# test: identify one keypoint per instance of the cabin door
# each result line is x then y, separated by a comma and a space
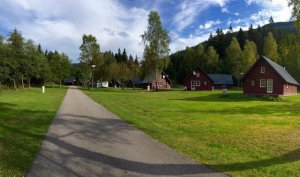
270, 86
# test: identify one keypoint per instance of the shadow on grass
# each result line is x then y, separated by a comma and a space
231, 97
290, 157
284, 110
21, 133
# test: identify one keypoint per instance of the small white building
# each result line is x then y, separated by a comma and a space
104, 84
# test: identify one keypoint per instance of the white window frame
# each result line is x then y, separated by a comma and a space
198, 83
262, 83
262, 69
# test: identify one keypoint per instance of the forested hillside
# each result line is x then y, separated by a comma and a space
234, 52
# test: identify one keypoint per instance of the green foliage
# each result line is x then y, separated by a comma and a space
60, 67
212, 58
90, 55
270, 48
296, 11
235, 58
249, 55
156, 41
252, 43
238, 135
291, 55
22, 60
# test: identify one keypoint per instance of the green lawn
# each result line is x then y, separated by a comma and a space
238, 135
25, 116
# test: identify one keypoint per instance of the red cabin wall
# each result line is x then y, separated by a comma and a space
255, 74
289, 89
202, 78
161, 84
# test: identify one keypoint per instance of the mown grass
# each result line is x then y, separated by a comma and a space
25, 116
234, 134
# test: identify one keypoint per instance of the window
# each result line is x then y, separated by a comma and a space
262, 70
205, 83
198, 75
263, 83
197, 83
193, 83
252, 82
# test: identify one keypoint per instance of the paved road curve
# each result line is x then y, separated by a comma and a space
85, 139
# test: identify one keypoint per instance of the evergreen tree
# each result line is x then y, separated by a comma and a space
136, 60
271, 21
270, 48
230, 29
241, 37
118, 56
124, 57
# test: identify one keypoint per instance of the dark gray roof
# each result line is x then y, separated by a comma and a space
281, 71
225, 79
149, 78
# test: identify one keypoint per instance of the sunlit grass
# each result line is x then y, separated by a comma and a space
235, 134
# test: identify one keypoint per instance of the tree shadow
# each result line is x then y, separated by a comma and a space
89, 127
78, 129
290, 157
230, 97
129, 165
278, 110
22, 132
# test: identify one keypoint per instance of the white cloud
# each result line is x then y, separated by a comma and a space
189, 10
180, 43
278, 9
209, 24
60, 24
225, 10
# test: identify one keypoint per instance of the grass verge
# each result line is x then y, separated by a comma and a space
25, 116
235, 134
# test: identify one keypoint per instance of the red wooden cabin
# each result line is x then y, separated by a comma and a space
198, 80
266, 77
161, 82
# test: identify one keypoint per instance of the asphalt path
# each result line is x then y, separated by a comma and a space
85, 139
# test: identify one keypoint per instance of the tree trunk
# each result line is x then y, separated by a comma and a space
133, 86
22, 81
156, 88
122, 84
29, 84
15, 86
60, 84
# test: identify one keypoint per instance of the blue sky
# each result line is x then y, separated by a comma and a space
60, 24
